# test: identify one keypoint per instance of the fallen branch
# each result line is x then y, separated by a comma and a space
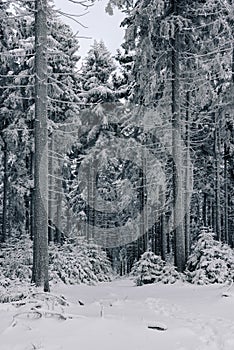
35, 313
158, 327
51, 313
44, 296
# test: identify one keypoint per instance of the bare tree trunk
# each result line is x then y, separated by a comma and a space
214, 216
210, 212
32, 224
177, 150
40, 246
145, 233
51, 189
204, 209
93, 197
187, 179
89, 211
163, 237
233, 65
27, 200
58, 220
217, 179
68, 219
226, 228
5, 192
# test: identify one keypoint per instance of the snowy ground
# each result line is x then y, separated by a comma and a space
116, 316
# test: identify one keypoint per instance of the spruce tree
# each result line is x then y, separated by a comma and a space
210, 261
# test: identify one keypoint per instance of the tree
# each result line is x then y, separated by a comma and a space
96, 94
40, 247
210, 261
96, 73
176, 147
152, 269
16, 109
77, 262
63, 108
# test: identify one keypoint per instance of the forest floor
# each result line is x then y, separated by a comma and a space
117, 315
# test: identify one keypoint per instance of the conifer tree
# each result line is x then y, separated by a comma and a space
96, 94
210, 261
40, 240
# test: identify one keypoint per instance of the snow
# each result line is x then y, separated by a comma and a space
116, 315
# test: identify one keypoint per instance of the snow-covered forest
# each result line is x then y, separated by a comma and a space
117, 178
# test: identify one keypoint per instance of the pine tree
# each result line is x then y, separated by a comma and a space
63, 108
40, 240
211, 261
77, 262
18, 104
152, 269
96, 74
97, 95
12, 74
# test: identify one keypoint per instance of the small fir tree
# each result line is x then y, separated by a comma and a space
211, 261
152, 269
79, 262
100, 264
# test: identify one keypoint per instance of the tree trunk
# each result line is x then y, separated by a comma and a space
58, 219
177, 151
51, 189
29, 227
217, 179
89, 211
226, 228
27, 201
163, 237
145, 233
204, 209
188, 175
5, 192
68, 219
32, 223
40, 246
163, 225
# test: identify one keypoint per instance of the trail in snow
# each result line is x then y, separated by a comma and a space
116, 316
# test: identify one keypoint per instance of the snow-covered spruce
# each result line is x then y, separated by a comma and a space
73, 263
16, 261
100, 264
211, 261
152, 269
15, 269
79, 262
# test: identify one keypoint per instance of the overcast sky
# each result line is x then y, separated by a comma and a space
100, 24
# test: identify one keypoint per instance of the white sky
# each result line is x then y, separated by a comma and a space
100, 24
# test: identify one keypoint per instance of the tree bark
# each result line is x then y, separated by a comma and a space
58, 219
29, 227
217, 179
5, 192
177, 151
50, 190
40, 246
204, 209
188, 175
145, 233
226, 228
